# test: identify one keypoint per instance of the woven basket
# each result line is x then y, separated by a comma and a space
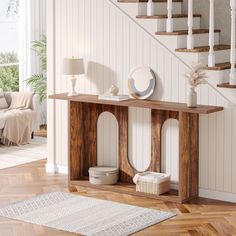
152, 182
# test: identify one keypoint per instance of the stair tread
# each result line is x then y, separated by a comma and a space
165, 16
204, 48
226, 85
185, 32
220, 66
132, 1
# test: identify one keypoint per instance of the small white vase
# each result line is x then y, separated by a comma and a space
192, 98
114, 90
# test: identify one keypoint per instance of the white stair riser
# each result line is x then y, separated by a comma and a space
159, 8
149, 24
155, 25
220, 56
199, 40
180, 41
225, 77
179, 24
220, 76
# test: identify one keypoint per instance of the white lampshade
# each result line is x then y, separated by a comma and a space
73, 66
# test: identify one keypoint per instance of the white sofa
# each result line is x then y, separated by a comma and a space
35, 107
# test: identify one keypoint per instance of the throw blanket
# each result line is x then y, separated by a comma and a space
19, 120
2, 120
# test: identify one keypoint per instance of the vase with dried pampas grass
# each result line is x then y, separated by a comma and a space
195, 77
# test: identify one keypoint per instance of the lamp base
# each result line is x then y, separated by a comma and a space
73, 92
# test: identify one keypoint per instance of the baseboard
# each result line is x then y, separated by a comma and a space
62, 169
53, 168
222, 196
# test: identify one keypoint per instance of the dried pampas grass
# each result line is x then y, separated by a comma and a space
196, 75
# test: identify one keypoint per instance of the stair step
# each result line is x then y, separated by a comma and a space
131, 1
220, 66
185, 32
204, 48
165, 16
226, 85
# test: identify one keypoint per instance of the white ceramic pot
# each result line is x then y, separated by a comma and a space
114, 90
192, 98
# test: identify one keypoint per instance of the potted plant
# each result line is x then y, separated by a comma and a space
39, 82
195, 77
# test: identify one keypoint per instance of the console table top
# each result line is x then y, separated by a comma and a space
155, 105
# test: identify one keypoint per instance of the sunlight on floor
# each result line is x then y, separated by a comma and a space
18, 155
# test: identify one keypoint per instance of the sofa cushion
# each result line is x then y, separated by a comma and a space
21, 100
3, 102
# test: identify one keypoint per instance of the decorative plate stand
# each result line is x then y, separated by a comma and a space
141, 82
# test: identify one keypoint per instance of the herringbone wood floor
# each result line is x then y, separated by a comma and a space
202, 217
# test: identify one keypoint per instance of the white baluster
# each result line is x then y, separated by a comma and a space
190, 39
169, 22
211, 57
233, 51
150, 8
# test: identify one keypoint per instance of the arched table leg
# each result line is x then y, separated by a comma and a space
83, 139
188, 149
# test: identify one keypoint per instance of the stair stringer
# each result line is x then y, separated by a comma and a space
217, 131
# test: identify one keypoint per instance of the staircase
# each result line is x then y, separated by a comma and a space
183, 36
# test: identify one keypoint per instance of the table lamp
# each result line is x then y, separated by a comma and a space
72, 67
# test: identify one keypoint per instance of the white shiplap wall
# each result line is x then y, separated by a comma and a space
112, 45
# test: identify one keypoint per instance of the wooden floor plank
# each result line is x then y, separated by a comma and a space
200, 217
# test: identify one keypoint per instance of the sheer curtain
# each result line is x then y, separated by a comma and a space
32, 24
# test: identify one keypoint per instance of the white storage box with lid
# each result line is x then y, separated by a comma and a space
103, 175
152, 182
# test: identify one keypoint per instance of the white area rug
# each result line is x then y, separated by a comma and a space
87, 216
18, 155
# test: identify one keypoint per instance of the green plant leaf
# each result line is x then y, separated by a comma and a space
39, 82
9, 75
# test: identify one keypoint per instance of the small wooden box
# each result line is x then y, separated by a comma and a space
152, 182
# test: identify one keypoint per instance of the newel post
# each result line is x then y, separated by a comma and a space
233, 51
211, 57
190, 39
169, 22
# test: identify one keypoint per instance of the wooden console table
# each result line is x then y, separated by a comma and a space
84, 111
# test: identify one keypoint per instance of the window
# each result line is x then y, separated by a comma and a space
9, 41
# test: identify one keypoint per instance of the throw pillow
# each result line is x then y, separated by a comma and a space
3, 102
21, 100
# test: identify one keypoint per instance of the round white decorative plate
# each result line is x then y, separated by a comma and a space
141, 82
